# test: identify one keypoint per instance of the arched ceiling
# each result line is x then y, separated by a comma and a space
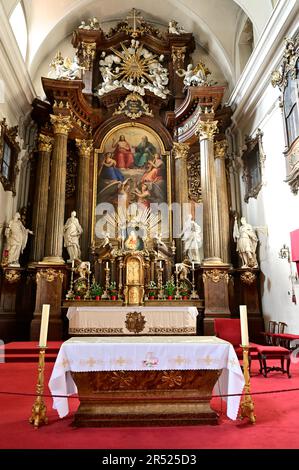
213, 22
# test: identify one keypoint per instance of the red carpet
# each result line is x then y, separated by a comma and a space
28, 351
277, 420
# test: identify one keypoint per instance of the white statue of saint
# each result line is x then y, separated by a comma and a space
71, 232
192, 238
246, 240
17, 236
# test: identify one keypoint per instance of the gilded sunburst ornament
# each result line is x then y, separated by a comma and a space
135, 68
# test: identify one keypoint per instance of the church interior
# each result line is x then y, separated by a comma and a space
149, 177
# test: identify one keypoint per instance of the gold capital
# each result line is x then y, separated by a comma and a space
45, 143
181, 150
207, 129
88, 51
178, 55
220, 148
61, 124
85, 147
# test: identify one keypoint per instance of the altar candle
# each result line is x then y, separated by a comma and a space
44, 326
244, 325
160, 264
192, 265
107, 265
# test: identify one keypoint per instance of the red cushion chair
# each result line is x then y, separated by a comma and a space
273, 352
229, 329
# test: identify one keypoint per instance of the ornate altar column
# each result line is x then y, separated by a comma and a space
85, 149
45, 144
211, 240
220, 149
55, 217
215, 272
181, 152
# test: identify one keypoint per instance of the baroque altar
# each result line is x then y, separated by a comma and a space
131, 144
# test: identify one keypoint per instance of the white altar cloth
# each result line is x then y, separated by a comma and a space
146, 353
112, 320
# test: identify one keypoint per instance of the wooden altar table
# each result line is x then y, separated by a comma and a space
119, 320
154, 380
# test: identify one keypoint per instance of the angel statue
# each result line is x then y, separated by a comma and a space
197, 76
192, 238
65, 68
246, 240
17, 236
183, 269
174, 28
106, 241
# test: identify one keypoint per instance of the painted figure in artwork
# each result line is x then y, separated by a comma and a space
134, 242
131, 242
109, 170
122, 153
155, 170
143, 196
144, 152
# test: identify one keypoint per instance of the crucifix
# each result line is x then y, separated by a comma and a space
135, 16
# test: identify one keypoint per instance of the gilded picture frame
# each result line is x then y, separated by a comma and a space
132, 167
253, 163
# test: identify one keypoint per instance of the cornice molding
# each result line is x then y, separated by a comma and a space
256, 76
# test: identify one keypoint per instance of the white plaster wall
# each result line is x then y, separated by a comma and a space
277, 209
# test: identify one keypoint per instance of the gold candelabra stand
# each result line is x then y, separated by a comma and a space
247, 405
177, 287
107, 283
194, 294
39, 409
160, 284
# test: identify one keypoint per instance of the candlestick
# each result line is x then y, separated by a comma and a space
244, 325
177, 290
247, 405
194, 294
160, 264
44, 326
105, 295
39, 409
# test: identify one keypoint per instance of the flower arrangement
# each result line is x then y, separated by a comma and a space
96, 290
113, 290
152, 287
184, 290
170, 287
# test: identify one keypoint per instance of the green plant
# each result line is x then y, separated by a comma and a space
152, 287
170, 287
96, 290
184, 289
112, 288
